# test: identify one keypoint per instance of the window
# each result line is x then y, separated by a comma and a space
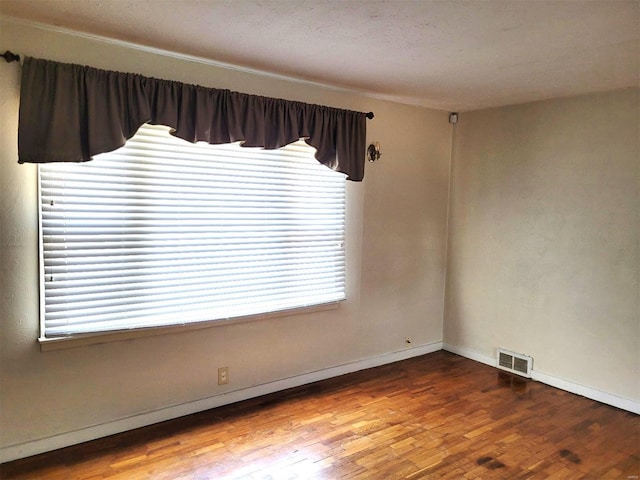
164, 232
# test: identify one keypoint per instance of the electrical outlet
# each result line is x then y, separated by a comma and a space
223, 375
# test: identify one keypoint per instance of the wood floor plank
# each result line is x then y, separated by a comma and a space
436, 416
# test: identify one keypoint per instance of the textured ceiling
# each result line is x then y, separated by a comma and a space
453, 55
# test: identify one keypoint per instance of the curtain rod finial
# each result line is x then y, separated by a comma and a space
10, 57
370, 115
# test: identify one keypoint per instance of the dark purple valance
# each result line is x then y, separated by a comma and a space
68, 113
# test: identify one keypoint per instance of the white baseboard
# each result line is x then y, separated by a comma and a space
35, 447
572, 387
470, 354
597, 395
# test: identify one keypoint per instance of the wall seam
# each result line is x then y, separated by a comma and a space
446, 231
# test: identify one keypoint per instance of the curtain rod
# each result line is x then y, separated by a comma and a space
12, 57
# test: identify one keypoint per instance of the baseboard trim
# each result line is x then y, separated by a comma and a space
470, 354
27, 449
597, 395
553, 381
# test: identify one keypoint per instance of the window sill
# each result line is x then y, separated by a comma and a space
86, 339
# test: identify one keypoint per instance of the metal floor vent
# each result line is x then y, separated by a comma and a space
515, 362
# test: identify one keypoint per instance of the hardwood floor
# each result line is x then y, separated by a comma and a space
436, 416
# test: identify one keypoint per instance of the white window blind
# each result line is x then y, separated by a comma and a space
164, 232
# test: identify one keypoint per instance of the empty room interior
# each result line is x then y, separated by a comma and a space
487, 323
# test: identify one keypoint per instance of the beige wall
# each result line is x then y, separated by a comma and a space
396, 239
543, 238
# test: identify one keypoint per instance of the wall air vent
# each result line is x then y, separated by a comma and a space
515, 362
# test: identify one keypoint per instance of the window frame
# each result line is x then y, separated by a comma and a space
54, 342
